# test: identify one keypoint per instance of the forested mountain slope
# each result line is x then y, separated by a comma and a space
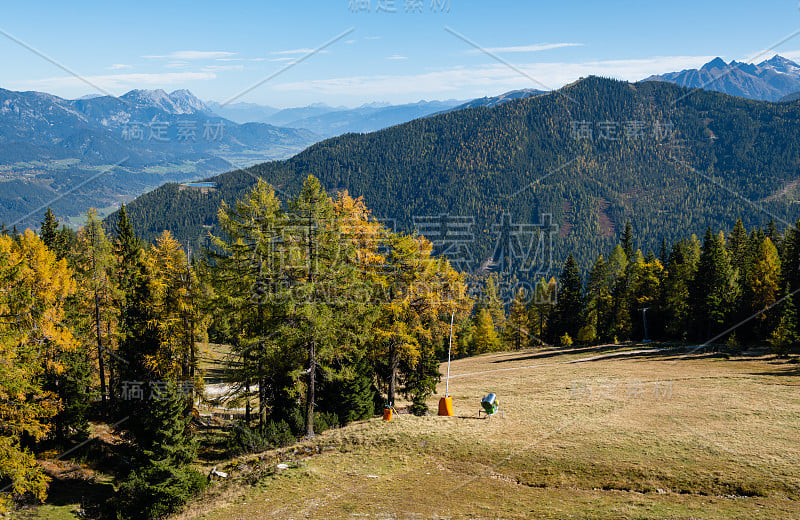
593, 154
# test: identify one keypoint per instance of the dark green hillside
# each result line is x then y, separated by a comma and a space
484, 162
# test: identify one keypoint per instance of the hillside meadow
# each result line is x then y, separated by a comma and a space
608, 432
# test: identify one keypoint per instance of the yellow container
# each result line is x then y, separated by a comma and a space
387, 414
446, 406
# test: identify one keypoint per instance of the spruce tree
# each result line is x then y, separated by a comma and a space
680, 273
570, 306
349, 391
599, 299
790, 262
541, 308
161, 479
421, 379
626, 240
619, 273
49, 233
715, 287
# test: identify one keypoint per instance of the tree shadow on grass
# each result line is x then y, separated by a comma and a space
70, 490
523, 356
788, 368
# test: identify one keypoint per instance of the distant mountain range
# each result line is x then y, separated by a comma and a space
770, 80
50, 146
329, 121
490, 102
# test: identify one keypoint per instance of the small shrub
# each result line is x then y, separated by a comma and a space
565, 340
244, 439
587, 334
325, 421
733, 344
156, 491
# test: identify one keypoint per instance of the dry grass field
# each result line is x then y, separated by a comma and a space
648, 435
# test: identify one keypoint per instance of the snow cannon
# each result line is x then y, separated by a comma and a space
490, 404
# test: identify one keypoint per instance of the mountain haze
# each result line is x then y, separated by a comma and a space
49, 145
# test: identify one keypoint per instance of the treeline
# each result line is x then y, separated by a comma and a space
329, 317
738, 289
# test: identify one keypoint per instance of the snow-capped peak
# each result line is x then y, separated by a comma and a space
178, 102
783, 65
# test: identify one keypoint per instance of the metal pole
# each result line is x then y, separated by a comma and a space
449, 350
644, 319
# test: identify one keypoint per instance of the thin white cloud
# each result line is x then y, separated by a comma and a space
350, 42
217, 68
118, 82
537, 47
372, 37
193, 55
494, 78
119, 66
396, 57
287, 58
293, 51
177, 65
240, 59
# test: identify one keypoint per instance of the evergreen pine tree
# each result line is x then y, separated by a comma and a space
599, 304
626, 240
715, 287
569, 309
773, 234
49, 233
540, 311
161, 479
421, 379
676, 294
618, 271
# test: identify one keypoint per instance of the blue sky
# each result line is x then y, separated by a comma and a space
219, 49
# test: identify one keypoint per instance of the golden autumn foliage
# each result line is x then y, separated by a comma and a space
175, 292
32, 334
